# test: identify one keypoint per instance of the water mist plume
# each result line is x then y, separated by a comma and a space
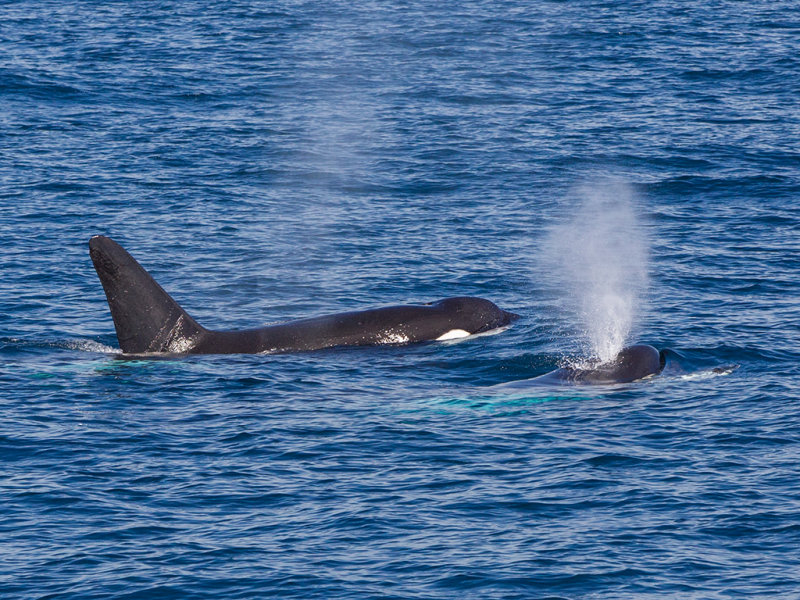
602, 252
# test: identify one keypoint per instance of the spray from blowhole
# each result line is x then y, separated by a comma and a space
601, 252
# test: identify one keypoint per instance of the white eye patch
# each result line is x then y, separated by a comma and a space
453, 334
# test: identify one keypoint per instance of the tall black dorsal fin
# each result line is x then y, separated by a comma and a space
146, 317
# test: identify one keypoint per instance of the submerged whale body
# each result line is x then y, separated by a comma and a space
148, 320
631, 364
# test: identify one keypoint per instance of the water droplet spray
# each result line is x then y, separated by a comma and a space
601, 252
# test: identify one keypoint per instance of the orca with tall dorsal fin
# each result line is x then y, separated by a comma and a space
149, 321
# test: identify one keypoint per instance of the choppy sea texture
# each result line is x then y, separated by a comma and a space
268, 161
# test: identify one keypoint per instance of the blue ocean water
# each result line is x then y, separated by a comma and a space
274, 160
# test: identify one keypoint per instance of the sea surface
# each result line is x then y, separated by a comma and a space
614, 172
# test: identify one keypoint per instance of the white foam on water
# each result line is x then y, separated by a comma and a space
601, 252
709, 373
89, 346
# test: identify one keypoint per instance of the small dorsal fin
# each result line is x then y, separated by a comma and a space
146, 318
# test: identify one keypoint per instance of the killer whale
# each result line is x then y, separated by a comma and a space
149, 321
631, 364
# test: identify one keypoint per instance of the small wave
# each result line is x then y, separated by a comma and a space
82, 345
36, 87
709, 373
88, 346
505, 403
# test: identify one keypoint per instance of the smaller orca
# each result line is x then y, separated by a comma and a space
631, 364
148, 320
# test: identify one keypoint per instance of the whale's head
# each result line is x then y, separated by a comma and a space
632, 363
637, 361
475, 315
